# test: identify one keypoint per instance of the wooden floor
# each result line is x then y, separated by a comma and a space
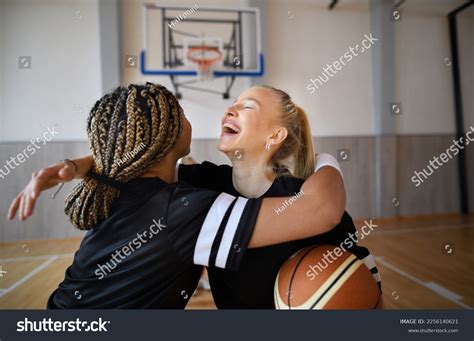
425, 263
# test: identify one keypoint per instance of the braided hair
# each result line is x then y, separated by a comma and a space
130, 130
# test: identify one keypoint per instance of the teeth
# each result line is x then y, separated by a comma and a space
232, 127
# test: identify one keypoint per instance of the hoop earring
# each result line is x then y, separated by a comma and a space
267, 146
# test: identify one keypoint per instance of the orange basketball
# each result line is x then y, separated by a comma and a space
325, 277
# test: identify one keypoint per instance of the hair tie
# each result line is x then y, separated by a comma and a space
106, 180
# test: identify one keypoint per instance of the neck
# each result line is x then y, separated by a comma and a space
165, 169
248, 177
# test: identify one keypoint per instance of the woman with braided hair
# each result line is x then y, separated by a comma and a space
147, 235
119, 125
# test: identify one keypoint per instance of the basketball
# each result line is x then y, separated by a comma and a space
318, 277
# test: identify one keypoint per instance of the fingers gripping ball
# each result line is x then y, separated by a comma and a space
311, 280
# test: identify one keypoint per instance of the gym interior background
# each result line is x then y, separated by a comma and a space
384, 115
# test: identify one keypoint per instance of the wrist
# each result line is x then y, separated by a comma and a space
68, 161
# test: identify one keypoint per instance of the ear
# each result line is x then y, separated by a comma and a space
278, 136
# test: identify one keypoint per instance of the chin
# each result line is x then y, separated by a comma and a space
223, 147
228, 144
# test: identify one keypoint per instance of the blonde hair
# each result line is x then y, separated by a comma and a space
298, 145
129, 129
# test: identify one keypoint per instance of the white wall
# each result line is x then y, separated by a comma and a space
423, 80
2, 34
297, 49
65, 79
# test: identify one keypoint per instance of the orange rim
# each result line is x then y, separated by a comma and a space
204, 63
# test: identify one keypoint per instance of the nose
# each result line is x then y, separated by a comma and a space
231, 112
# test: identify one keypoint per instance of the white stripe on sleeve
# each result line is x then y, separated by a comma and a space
327, 160
209, 228
377, 277
229, 232
369, 262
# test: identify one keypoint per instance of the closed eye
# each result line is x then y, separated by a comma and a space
248, 104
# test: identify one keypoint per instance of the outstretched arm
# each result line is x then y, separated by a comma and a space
47, 178
317, 211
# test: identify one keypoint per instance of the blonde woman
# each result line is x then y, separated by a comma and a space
268, 139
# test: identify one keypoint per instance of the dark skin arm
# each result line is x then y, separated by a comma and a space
317, 211
45, 179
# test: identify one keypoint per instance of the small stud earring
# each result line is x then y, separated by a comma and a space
267, 146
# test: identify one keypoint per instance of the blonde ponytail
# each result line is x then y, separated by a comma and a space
304, 159
295, 156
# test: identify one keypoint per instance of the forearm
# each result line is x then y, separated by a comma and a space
44, 179
318, 209
84, 165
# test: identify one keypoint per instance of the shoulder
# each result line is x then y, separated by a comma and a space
183, 192
188, 201
206, 224
324, 159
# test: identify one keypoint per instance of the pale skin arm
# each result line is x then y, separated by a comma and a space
317, 211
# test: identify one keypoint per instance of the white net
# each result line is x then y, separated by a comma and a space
203, 54
205, 59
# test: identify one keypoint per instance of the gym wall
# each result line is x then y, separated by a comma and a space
345, 105
65, 77
341, 112
63, 39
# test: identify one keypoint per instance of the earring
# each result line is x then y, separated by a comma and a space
267, 146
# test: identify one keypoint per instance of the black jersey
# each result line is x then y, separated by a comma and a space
252, 286
150, 251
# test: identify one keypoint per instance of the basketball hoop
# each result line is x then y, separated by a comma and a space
204, 58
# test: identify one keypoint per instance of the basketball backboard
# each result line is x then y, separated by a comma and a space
184, 41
